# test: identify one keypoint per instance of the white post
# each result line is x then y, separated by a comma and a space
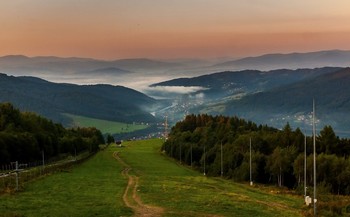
250, 161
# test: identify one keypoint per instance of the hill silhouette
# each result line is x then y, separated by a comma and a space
49, 99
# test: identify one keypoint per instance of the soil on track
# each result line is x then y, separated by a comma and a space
130, 197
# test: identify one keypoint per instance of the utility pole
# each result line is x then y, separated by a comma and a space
250, 161
166, 127
17, 175
314, 144
305, 167
43, 159
171, 150
222, 168
191, 154
180, 154
204, 161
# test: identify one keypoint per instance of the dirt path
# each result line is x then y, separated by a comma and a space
130, 197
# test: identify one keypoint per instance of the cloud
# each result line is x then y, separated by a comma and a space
199, 96
176, 89
167, 92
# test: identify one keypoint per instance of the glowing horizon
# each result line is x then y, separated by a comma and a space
115, 29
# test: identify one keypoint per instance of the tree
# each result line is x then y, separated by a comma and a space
298, 168
24, 135
328, 141
9, 117
110, 139
280, 161
278, 155
286, 137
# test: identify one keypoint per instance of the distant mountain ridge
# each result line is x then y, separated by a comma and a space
20, 63
53, 99
228, 83
108, 70
331, 92
332, 58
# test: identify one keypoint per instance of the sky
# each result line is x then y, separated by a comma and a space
167, 29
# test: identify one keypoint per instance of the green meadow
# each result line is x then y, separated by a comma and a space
184, 192
96, 188
105, 126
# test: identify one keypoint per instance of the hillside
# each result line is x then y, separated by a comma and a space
154, 180
105, 102
331, 92
222, 84
271, 97
23, 136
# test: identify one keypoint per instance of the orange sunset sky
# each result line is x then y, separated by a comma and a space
115, 29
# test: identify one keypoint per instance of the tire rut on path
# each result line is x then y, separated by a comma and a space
134, 202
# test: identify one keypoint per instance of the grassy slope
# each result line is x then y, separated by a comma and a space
183, 192
104, 125
94, 188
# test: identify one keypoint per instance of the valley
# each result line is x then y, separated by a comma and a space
175, 89
174, 108
106, 127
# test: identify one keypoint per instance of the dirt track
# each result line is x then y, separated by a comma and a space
130, 197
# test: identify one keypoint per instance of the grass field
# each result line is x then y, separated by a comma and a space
96, 188
184, 192
110, 127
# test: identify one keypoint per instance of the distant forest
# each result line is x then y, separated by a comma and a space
24, 135
277, 155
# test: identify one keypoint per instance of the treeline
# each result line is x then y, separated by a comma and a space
277, 155
24, 135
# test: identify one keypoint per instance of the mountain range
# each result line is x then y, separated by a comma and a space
275, 97
240, 83
332, 58
48, 67
293, 102
269, 89
74, 65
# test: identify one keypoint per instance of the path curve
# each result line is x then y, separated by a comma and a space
134, 202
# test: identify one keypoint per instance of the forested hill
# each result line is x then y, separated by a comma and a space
277, 155
51, 100
229, 83
24, 135
331, 92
